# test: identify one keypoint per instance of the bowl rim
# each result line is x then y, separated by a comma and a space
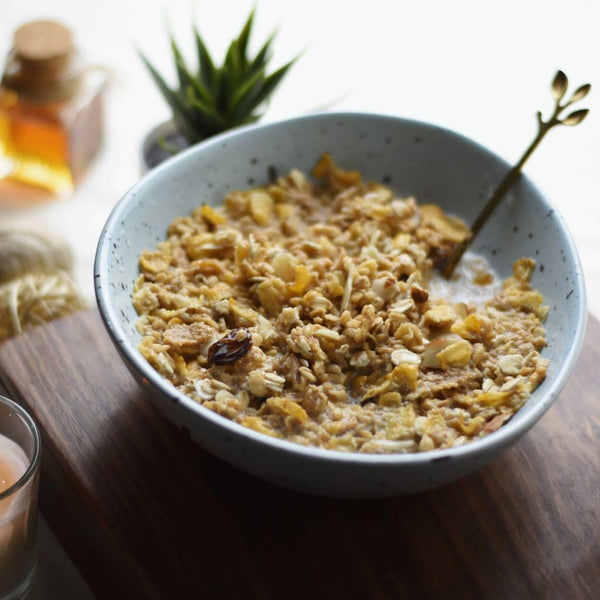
493, 442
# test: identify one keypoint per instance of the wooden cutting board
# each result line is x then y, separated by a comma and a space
146, 514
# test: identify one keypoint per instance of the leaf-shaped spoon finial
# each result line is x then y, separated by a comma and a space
560, 83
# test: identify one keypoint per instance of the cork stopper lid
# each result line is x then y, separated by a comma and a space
43, 62
43, 44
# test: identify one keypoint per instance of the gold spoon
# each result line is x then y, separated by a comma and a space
559, 89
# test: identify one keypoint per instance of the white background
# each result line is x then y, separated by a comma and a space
480, 68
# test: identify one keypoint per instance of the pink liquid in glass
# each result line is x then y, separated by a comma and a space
17, 519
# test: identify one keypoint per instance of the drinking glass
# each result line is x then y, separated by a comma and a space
20, 449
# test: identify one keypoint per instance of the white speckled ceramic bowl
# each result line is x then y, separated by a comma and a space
435, 165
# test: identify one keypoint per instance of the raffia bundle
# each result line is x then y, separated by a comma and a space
35, 281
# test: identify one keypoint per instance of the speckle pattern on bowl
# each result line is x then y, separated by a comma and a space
413, 158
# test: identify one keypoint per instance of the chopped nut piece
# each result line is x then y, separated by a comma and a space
418, 294
385, 287
403, 355
360, 360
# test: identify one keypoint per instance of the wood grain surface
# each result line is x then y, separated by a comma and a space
145, 513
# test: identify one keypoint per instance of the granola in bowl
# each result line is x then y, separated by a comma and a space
305, 310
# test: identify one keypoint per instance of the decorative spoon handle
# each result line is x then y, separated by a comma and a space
559, 89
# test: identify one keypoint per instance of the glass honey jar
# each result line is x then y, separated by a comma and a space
51, 109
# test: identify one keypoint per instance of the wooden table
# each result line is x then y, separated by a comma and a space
145, 513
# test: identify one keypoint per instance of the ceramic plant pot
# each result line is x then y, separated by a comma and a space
161, 143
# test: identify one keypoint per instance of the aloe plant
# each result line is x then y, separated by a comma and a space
217, 98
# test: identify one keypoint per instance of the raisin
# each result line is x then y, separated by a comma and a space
231, 347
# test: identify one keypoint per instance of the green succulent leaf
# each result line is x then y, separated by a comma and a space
272, 81
242, 103
259, 93
173, 99
182, 75
233, 62
207, 71
187, 80
242, 40
217, 98
206, 119
224, 85
262, 57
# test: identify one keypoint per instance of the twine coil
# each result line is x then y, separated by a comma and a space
35, 281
